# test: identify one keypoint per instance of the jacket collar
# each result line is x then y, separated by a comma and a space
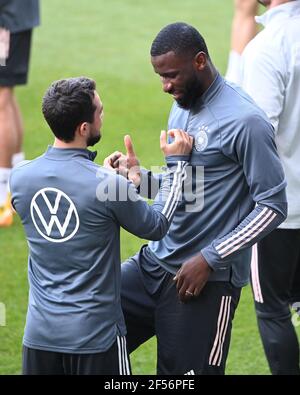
279, 13
68, 153
213, 89
209, 94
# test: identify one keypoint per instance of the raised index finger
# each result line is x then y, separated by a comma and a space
129, 146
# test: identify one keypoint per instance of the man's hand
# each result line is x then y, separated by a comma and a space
182, 144
192, 277
111, 160
127, 165
4, 43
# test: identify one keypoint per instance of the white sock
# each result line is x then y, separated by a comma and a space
4, 177
234, 68
17, 158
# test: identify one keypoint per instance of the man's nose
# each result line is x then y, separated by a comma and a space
167, 86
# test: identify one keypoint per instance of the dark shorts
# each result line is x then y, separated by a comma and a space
16, 70
114, 361
193, 337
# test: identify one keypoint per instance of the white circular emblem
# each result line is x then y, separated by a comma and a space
201, 139
54, 215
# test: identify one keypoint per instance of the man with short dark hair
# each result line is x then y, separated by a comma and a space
72, 211
271, 76
230, 201
18, 18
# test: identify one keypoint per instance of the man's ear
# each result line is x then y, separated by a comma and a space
200, 60
83, 129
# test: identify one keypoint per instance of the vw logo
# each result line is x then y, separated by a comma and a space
54, 215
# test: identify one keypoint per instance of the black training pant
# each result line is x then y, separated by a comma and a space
275, 272
193, 337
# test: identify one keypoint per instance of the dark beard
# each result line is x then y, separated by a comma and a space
186, 102
192, 92
93, 140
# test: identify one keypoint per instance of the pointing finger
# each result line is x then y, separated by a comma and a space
129, 145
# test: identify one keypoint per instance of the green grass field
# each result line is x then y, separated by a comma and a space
109, 41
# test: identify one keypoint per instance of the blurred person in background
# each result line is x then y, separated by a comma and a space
243, 29
271, 75
17, 20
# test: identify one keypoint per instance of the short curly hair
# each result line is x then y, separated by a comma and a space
179, 38
68, 103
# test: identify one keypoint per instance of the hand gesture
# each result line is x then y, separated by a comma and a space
182, 144
127, 165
